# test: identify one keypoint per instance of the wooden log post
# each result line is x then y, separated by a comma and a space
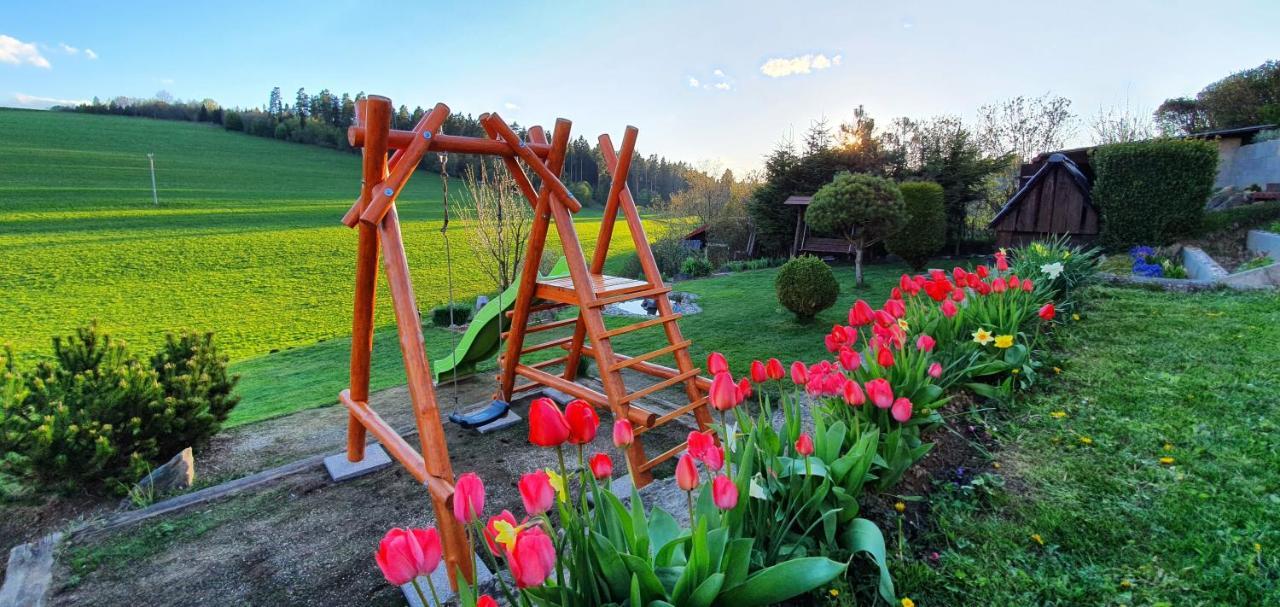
374, 113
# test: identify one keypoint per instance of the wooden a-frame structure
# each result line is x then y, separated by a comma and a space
586, 288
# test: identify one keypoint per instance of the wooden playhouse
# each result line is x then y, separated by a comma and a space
1053, 201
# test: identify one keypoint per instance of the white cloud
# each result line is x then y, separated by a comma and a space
779, 67
722, 86
166, 81
693, 82
719, 73
510, 106
67, 48
17, 52
33, 101
719, 82
90, 54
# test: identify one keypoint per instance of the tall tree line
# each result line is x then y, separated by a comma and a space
322, 119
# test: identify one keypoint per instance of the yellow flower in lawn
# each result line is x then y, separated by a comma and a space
1004, 341
902, 324
982, 337
1015, 371
557, 482
1126, 584
1168, 446
1035, 537
1057, 370
1166, 460
833, 592
995, 465
1084, 440
1075, 317
1058, 414
900, 507
908, 603
1257, 547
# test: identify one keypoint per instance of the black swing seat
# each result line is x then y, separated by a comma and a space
492, 412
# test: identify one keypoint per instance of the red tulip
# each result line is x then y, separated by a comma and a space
957, 295
534, 558
486, 601
623, 434
583, 422
717, 364
699, 443
860, 314
724, 393
959, 275
1047, 312
468, 498
804, 445
895, 308
491, 530
880, 392
536, 492
895, 293
686, 473
949, 309
852, 393
724, 493
799, 374
998, 285
924, 343
547, 426
831, 342
901, 410
1015, 282
884, 319
1002, 262
601, 466
713, 458
849, 359
774, 369
973, 280
758, 372
884, 357
983, 272
935, 370
744, 389
1027, 285
404, 554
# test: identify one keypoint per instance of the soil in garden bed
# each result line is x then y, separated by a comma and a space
1228, 248
301, 540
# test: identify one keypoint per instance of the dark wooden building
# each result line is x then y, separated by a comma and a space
1054, 200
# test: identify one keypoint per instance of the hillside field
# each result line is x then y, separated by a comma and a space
246, 241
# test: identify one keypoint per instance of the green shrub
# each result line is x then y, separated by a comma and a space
696, 266
440, 315
925, 232
862, 209
669, 252
761, 263
1152, 192
1256, 214
806, 286
97, 418
627, 266
1057, 267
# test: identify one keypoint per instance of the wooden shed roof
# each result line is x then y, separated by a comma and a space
798, 200
1055, 162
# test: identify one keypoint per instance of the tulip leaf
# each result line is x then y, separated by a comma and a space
662, 527
672, 553
642, 571
797, 467
707, 591
615, 572
636, 597
640, 524
716, 541
660, 604
864, 536
835, 440
781, 582
669, 577
737, 561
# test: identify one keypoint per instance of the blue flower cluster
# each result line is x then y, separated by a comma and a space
1145, 262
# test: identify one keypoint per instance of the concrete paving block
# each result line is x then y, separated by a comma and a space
441, 581
340, 469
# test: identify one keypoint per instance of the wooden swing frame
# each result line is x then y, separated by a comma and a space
375, 217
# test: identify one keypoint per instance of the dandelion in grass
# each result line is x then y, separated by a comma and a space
1004, 341
908, 603
1052, 270
834, 593
995, 465
1035, 537
1084, 440
1126, 584
1058, 414
1166, 460
900, 507
982, 337
1057, 370
1168, 446
1075, 317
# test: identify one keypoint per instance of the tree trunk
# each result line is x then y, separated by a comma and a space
857, 267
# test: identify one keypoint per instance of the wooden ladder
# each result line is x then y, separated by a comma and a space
590, 290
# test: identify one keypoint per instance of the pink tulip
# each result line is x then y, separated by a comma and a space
601, 466
901, 410
404, 554
686, 473
949, 309
849, 359
935, 370
534, 558
998, 285
713, 458
1015, 283
623, 434
924, 343
852, 393
536, 492
699, 443
804, 445
880, 393
895, 308
724, 493
1002, 262
724, 393
1027, 285
468, 498
717, 364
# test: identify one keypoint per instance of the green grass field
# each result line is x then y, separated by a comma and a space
246, 240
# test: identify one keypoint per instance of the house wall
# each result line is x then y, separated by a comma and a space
1242, 166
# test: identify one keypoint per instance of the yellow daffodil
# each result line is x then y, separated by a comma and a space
557, 482
1166, 460
908, 603
902, 324
1084, 440
900, 507
1058, 414
1004, 341
1035, 537
506, 534
982, 337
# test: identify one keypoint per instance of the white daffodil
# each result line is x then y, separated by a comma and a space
1052, 270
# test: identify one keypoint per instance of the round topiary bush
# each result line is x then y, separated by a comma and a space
925, 231
806, 286
862, 209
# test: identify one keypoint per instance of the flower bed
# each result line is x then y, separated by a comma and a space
772, 493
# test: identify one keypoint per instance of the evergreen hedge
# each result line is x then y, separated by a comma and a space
925, 232
1152, 192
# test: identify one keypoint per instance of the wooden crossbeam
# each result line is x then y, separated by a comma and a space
662, 385
521, 149
635, 360
645, 294
666, 455
641, 325
546, 326
385, 192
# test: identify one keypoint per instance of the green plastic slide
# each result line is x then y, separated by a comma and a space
480, 342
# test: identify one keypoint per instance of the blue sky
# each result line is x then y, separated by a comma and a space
718, 83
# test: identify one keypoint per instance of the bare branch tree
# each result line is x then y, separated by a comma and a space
1025, 126
498, 219
1119, 124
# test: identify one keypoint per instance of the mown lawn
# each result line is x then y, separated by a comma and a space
246, 240
1083, 511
